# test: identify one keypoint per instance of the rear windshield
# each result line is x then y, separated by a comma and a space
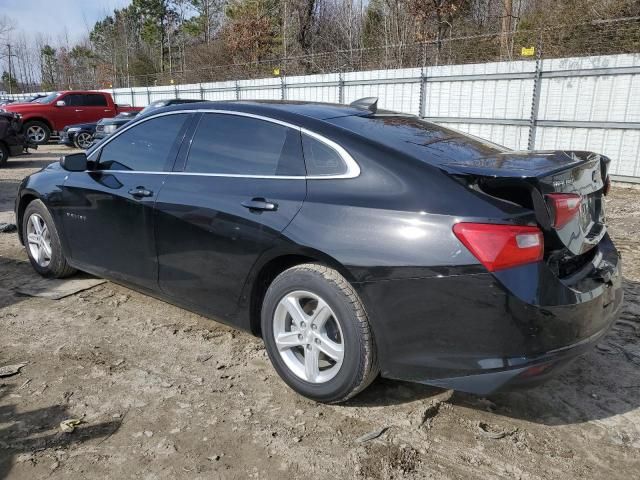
418, 138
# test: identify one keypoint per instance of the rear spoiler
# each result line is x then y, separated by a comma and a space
525, 164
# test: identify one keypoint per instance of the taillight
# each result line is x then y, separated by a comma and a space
565, 206
501, 246
607, 186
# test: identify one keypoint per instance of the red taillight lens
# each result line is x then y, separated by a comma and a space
501, 246
565, 206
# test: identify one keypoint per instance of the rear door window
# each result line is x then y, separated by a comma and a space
94, 100
146, 147
227, 144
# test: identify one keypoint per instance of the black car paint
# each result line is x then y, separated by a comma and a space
437, 315
68, 138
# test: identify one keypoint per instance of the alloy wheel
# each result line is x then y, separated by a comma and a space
308, 336
36, 133
39, 240
83, 139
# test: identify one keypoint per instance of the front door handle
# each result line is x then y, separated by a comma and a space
140, 192
260, 204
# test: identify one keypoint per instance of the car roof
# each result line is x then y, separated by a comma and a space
274, 108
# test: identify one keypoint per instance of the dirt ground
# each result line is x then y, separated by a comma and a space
164, 393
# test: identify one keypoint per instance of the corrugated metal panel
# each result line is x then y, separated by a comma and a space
581, 89
510, 136
622, 146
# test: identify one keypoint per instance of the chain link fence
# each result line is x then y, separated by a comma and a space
587, 39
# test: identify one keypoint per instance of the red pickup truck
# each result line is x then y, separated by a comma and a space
52, 113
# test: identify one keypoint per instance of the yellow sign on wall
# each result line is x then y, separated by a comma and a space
276, 72
528, 51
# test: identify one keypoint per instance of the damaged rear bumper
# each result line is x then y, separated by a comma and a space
483, 332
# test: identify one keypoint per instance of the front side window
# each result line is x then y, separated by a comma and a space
145, 147
73, 100
237, 145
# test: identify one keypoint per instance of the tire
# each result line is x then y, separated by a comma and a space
37, 132
4, 154
82, 140
56, 265
346, 325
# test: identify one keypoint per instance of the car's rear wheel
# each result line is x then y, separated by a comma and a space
317, 334
83, 140
37, 132
4, 154
43, 242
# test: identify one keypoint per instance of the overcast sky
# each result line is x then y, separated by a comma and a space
51, 17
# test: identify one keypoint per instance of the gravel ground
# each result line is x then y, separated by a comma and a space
164, 393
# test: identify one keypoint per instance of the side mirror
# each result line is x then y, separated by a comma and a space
74, 162
61, 103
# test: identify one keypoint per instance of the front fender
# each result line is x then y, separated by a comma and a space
46, 186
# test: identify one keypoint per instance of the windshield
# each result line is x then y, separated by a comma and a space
48, 99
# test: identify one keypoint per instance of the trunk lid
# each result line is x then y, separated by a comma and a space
528, 178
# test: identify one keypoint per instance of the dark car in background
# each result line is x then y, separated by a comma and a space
12, 140
107, 126
78, 136
353, 241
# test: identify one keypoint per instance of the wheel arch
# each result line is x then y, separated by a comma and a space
39, 119
25, 199
269, 267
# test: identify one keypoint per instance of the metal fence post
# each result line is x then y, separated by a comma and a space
283, 89
175, 91
535, 101
201, 91
340, 88
422, 108
148, 95
237, 90
133, 98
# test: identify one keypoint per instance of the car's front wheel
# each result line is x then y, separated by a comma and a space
37, 132
317, 334
43, 242
83, 140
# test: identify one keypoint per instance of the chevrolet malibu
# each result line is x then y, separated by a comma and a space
355, 242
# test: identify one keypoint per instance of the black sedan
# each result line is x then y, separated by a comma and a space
353, 241
78, 136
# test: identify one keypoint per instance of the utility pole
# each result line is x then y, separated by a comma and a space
507, 29
10, 75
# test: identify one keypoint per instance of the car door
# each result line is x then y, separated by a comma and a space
95, 107
108, 211
70, 113
243, 181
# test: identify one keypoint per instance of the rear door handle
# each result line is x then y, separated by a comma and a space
79, 110
260, 204
140, 192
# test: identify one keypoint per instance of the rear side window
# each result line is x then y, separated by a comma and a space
146, 147
95, 100
321, 159
236, 145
